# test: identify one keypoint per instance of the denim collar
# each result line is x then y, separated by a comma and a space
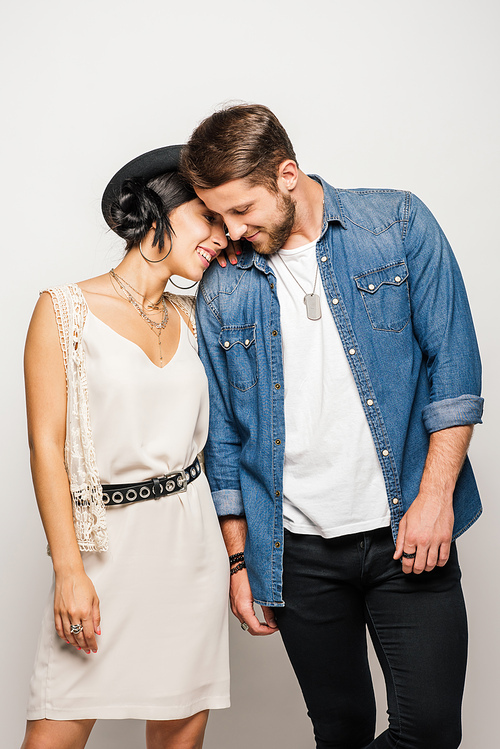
333, 207
333, 212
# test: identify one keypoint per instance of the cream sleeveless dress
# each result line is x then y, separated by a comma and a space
163, 584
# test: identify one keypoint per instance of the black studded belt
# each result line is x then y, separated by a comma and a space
171, 483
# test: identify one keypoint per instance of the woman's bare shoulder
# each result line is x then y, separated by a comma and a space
97, 285
43, 335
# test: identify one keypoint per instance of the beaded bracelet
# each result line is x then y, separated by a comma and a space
240, 566
239, 557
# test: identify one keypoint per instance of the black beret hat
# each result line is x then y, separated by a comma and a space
144, 167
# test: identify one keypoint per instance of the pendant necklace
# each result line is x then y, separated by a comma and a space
156, 327
150, 304
312, 300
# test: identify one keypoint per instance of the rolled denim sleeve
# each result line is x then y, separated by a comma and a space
228, 502
466, 409
223, 448
442, 323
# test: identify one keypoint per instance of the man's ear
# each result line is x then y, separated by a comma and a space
288, 174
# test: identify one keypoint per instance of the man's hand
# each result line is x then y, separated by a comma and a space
234, 531
241, 599
427, 527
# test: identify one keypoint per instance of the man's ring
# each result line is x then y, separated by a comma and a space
244, 626
75, 629
409, 556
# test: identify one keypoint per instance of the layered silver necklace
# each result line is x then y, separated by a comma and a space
156, 327
311, 300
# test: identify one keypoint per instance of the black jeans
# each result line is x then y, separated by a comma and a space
333, 590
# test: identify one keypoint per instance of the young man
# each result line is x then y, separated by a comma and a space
344, 382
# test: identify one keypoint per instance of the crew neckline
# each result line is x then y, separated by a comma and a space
297, 250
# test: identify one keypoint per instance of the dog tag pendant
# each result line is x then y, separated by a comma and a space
313, 306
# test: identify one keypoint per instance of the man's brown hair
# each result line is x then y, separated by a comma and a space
243, 141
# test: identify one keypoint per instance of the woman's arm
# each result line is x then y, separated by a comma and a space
75, 599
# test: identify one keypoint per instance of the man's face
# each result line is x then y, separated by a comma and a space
254, 213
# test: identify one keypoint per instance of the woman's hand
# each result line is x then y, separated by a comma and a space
230, 253
76, 602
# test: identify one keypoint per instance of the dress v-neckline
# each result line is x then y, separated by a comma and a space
133, 343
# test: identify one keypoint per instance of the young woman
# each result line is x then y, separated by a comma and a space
136, 624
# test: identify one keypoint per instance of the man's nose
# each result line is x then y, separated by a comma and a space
236, 229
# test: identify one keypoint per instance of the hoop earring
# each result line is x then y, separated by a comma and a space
182, 287
155, 261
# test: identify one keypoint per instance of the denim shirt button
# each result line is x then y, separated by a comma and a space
277, 442
271, 285
395, 501
397, 279
275, 332
277, 493
385, 453
371, 286
369, 402
277, 544
226, 344
247, 342
335, 301
277, 386
324, 259
352, 351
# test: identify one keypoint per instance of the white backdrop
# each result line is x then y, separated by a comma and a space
373, 94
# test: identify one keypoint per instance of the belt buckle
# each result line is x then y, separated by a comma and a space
180, 482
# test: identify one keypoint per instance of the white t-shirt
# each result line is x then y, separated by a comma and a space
333, 483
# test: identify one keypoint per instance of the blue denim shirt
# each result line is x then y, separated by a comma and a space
397, 297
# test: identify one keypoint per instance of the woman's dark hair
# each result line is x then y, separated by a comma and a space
139, 205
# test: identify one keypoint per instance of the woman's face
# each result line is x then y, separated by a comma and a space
198, 239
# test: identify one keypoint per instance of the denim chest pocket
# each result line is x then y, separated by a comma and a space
238, 341
386, 296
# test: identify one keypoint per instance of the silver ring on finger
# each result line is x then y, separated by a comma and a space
75, 629
406, 555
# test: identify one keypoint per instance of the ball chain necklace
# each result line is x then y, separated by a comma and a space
156, 327
311, 300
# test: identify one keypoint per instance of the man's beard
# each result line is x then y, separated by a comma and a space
279, 233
